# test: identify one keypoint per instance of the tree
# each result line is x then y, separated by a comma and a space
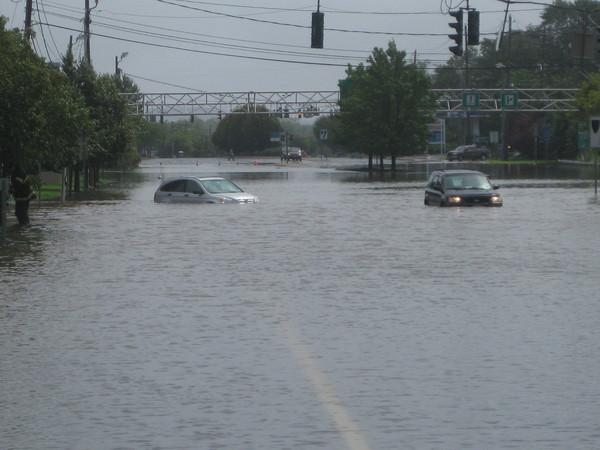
42, 117
246, 133
588, 97
388, 105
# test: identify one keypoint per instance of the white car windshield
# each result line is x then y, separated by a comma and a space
220, 186
466, 181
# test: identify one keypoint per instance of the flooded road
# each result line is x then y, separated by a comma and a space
336, 313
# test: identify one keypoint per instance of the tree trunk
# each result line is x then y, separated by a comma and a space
96, 176
381, 162
86, 176
76, 181
393, 162
70, 172
370, 161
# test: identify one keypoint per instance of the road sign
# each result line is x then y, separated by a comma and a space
276, 136
471, 99
323, 134
510, 100
435, 132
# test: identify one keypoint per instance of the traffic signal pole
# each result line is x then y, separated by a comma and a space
465, 35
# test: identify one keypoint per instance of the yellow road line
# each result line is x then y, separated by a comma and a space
325, 392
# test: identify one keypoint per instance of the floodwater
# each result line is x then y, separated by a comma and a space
337, 313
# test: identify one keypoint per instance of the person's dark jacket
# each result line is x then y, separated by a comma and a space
22, 186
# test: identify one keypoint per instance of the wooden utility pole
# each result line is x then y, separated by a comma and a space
28, 12
86, 33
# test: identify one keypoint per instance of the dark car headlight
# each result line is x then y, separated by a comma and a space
454, 199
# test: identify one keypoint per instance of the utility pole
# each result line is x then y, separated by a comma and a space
505, 122
86, 33
28, 12
582, 52
469, 135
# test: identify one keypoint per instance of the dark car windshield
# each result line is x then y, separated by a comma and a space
466, 181
220, 186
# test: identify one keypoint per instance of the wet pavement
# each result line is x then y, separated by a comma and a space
337, 313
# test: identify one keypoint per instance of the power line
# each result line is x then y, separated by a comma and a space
245, 41
341, 30
172, 47
329, 10
130, 75
42, 31
58, 52
212, 43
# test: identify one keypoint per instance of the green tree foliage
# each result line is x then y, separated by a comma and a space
588, 97
53, 119
42, 117
111, 142
388, 105
245, 133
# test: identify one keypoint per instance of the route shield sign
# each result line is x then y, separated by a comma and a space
471, 99
323, 134
510, 100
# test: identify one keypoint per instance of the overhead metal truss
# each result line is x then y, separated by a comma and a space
311, 103
532, 100
308, 103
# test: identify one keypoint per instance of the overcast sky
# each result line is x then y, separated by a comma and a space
248, 45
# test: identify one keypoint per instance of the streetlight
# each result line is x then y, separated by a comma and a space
117, 61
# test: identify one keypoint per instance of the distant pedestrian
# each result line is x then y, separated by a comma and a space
22, 191
231, 155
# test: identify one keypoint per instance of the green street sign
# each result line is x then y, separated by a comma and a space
510, 100
471, 100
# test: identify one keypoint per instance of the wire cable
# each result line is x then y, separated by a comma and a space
245, 48
245, 41
172, 47
341, 30
58, 52
42, 31
130, 75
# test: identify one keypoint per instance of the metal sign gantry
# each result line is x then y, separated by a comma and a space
224, 103
311, 103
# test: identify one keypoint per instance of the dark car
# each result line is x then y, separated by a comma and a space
292, 154
461, 188
469, 152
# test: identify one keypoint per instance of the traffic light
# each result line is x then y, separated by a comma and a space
458, 35
318, 21
473, 28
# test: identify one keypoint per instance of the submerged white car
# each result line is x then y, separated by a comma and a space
201, 190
